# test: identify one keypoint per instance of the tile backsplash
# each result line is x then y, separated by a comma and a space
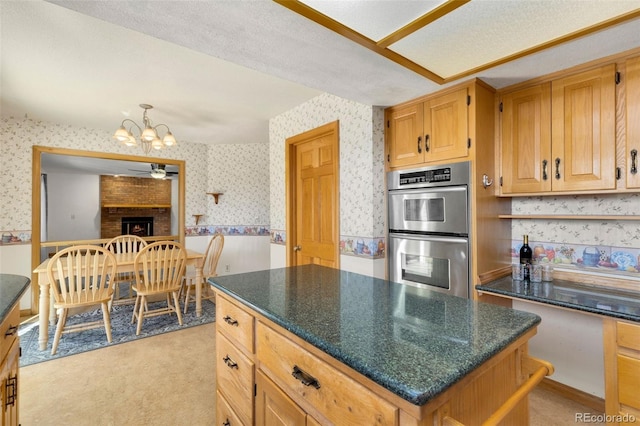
610, 260
608, 246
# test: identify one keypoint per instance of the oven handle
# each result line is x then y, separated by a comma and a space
429, 190
427, 237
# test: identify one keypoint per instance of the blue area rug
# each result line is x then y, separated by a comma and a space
121, 329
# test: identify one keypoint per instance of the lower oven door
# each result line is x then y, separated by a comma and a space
434, 262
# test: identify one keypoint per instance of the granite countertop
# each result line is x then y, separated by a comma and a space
414, 342
623, 304
12, 287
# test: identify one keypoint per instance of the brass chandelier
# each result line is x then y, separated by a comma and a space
147, 134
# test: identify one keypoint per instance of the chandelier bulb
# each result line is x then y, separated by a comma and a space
169, 139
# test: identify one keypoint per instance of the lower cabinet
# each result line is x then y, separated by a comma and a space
274, 407
622, 371
9, 367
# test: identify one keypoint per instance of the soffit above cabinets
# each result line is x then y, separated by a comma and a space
448, 40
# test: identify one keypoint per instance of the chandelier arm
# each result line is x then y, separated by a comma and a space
161, 124
132, 122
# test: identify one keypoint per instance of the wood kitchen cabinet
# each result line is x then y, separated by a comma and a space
526, 140
560, 136
632, 145
428, 130
622, 371
274, 407
235, 368
9, 367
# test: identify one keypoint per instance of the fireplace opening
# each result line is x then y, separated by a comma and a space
140, 226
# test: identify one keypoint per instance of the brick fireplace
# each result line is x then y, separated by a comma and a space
145, 202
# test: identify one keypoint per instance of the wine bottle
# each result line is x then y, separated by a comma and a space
525, 255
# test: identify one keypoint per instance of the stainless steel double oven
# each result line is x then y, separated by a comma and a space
429, 221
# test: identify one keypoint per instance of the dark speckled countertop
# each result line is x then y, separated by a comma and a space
414, 342
12, 287
600, 300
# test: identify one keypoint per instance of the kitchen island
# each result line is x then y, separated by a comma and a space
311, 344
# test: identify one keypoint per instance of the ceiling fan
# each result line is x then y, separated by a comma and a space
158, 171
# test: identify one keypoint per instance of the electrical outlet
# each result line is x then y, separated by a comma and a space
227, 268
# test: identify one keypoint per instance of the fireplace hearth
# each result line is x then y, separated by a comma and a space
140, 226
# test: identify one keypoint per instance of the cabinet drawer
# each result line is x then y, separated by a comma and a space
629, 381
235, 377
235, 322
628, 335
224, 413
339, 398
9, 331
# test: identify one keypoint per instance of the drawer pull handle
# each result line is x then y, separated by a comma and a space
226, 423
230, 363
230, 320
11, 391
419, 148
634, 156
558, 168
11, 331
305, 378
544, 169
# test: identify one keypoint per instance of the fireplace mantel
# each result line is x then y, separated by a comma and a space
135, 206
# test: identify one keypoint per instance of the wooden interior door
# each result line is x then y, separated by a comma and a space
313, 197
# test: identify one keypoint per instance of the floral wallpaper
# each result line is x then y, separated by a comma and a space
241, 170
604, 246
361, 165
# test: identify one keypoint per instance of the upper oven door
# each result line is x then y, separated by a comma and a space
441, 210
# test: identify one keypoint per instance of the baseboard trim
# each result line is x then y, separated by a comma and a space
576, 395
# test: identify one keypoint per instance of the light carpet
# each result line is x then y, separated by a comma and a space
121, 329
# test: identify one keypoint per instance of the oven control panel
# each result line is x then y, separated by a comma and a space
426, 176
431, 176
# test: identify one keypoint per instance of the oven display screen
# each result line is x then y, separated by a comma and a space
426, 176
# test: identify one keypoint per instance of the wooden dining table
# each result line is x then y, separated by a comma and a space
124, 263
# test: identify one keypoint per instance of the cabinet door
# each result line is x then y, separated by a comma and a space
526, 140
633, 123
583, 130
404, 135
446, 132
9, 383
274, 407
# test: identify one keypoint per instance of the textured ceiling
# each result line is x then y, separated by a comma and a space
216, 71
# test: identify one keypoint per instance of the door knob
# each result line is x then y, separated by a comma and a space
297, 248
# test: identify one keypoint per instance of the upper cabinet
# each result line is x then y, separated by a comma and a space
560, 135
526, 140
429, 130
632, 147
